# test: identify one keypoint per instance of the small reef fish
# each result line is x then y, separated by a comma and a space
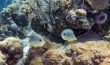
68, 35
36, 39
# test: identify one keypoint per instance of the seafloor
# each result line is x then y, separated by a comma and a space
54, 32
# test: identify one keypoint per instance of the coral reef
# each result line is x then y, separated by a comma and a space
2, 59
106, 61
16, 18
97, 5
56, 57
55, 32
81, 12
87, 53
36, 53
12, 48
36, 61
107, 36
77, 53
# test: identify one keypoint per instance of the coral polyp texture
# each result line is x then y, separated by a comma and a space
2, 59
56, 57
12, 48
88, 53
55, 32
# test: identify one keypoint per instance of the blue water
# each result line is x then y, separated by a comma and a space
4, 3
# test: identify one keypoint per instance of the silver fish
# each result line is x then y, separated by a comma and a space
36, 39
68, 35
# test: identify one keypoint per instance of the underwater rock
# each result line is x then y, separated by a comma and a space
13, 48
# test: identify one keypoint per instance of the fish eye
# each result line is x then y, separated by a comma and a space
64, 34
40, 40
